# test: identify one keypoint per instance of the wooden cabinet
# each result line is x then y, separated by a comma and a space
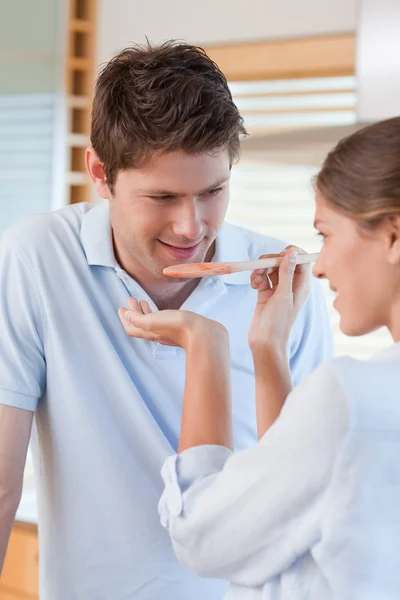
16, 596
4, 595
19, 580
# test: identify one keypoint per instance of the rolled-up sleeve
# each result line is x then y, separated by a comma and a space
246, 517
181, 471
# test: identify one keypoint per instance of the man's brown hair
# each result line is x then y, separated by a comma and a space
151, 99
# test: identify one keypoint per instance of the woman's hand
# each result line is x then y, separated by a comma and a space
206, 416
281, 294
168, 327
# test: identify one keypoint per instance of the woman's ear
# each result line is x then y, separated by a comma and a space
393, 230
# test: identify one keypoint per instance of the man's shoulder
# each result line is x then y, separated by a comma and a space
41, 231
253, 242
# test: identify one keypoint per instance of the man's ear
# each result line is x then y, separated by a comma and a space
96, 173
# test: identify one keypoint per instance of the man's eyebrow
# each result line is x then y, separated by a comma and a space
217, 184
165, 192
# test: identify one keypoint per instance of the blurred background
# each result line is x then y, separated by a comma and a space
303, 74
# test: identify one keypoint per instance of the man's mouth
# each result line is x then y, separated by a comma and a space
181, 252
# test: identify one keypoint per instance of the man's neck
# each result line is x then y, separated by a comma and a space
165, 294
173, 296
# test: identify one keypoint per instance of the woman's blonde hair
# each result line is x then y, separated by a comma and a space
360, 177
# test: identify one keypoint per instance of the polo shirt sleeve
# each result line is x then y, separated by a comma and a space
311, 341
246, 517
22, 361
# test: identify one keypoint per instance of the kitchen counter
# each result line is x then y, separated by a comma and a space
20, 576
27, 510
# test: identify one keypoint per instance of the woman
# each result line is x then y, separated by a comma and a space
313, 511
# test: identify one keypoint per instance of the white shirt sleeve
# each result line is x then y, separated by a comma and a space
246, 517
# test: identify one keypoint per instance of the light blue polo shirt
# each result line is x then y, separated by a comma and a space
108, 407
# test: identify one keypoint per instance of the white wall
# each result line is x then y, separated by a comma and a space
28, 46
122, 22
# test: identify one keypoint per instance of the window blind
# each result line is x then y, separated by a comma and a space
26, 150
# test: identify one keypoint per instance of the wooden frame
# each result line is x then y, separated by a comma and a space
323, 56
80, 75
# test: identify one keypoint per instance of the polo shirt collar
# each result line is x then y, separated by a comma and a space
96, 236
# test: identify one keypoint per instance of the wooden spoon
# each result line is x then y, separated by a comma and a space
208, 269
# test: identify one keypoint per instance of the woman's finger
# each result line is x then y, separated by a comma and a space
129, 317
274, 274
135, 317
130, 320
257, 277
134, 305
141, 308
300, 269
265, 284
293, 247
145, 307
255, 280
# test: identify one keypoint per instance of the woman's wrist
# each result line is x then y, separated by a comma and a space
269, 351
205, 332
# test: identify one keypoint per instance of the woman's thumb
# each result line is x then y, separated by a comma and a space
286, 272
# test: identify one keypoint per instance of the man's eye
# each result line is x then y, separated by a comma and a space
214, 191
161, 198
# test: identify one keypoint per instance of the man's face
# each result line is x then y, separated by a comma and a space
169, 211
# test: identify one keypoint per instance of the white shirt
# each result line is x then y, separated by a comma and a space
313, 511
108, 407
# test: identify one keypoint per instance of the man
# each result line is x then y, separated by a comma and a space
165, 134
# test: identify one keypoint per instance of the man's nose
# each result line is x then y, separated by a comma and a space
187, 220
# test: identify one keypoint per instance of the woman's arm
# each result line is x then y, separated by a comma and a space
281, 294
207, 416
273, 385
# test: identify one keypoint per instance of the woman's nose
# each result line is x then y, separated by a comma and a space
318, 270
